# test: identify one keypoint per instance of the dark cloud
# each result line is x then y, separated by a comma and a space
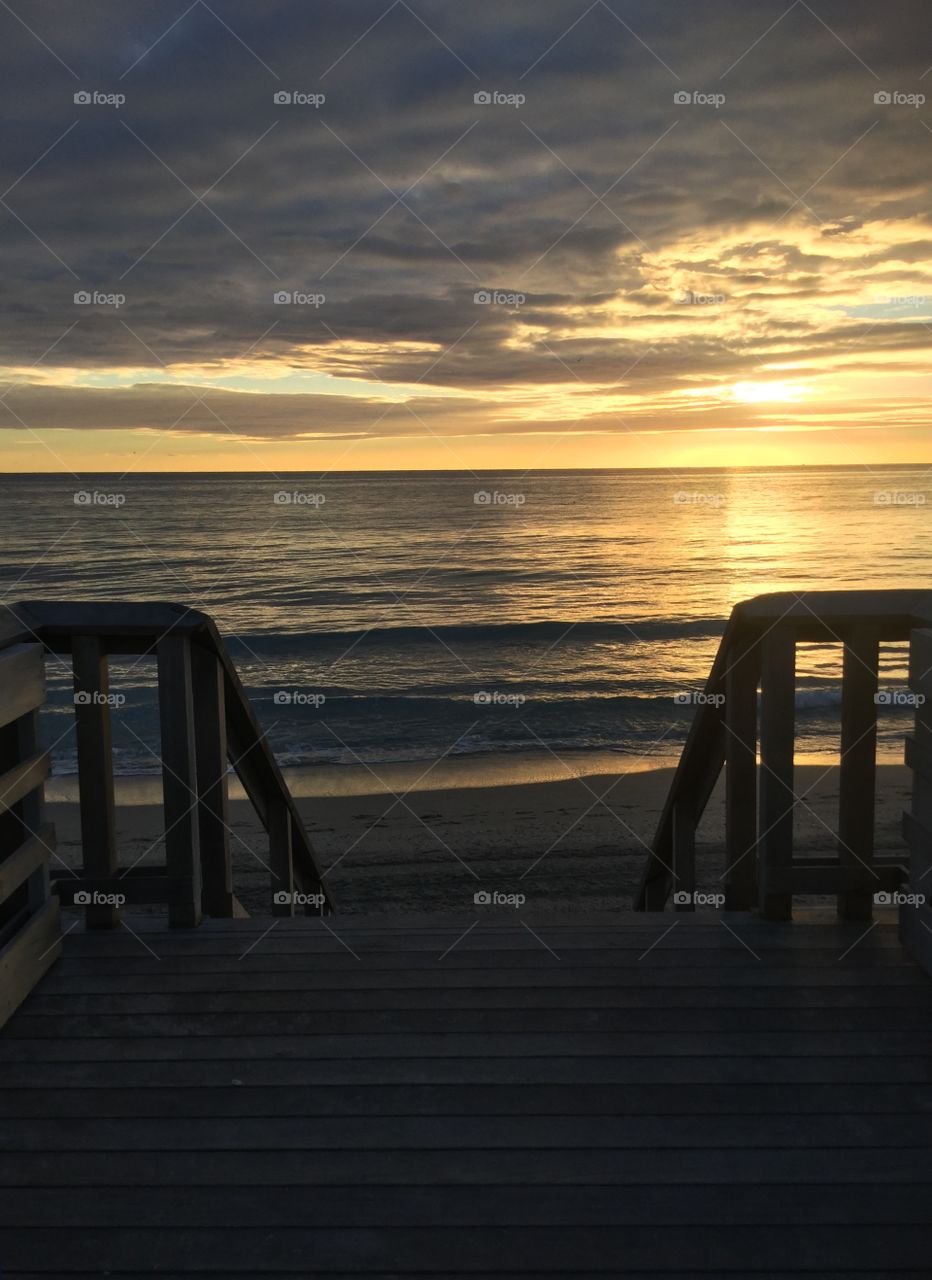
600, 198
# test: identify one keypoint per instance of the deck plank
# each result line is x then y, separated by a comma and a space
239, 1104
424, 1250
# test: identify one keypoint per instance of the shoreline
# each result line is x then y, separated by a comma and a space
418, 776
571, 843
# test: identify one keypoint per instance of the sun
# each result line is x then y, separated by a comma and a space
764, 392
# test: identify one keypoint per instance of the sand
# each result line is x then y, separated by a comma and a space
576, 844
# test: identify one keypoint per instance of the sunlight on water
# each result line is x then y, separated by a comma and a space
393, 617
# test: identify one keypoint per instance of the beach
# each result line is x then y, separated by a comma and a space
567, 844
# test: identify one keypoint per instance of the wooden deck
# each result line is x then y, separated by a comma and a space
616, 1097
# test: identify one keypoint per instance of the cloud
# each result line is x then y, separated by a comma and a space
600, 199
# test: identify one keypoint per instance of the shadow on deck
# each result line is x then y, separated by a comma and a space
637, 1095
609, 1096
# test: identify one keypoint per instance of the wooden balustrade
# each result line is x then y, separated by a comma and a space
206, 725
758, 652
30, 935
916, 908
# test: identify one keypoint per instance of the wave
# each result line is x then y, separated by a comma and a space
817, 699
495, 633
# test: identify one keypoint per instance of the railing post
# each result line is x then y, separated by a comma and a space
210, 738
95, 770
281, 857
858, 767
777, 731
916, 914
741, 679
684, 855
179, 779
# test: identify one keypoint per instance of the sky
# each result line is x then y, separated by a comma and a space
350, 234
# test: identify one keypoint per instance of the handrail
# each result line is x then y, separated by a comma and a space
30, 933
206, 720
758, 648
915, 906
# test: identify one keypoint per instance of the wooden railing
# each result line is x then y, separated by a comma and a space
30, 935
758, 650
206, 721
916, 904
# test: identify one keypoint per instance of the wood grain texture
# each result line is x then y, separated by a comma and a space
613, 1113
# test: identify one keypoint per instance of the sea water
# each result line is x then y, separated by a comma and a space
525, 621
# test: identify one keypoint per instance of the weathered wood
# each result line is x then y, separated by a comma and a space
858, 769
824, 615
254, 1274
191, 996
240, 1207
469, 1133
281, 859
297, 975
920, 662
696, 774
308, 1075
125, 627
95, 770
684, 857
775, 842
22, 681
384, 1022
741, 775
24, 777
29, 805
113, 1100
133, 889
425, 1250
210, 736
919, 759
31, 856
183, 1046
34, 947
847, 880
260, 775
179, 774
514, 948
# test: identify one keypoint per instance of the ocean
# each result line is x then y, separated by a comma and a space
510, 622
